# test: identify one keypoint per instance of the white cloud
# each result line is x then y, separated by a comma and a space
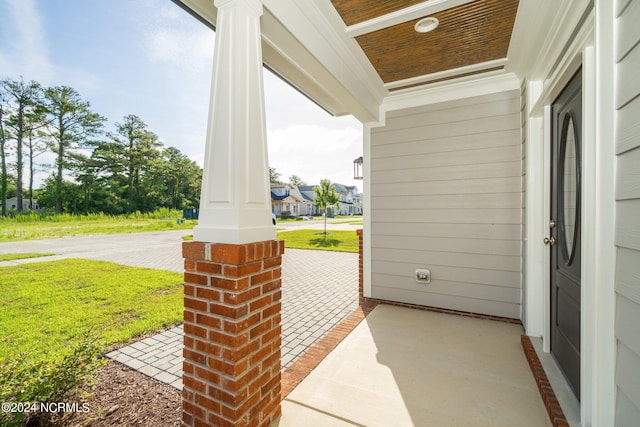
29, 46
170, 37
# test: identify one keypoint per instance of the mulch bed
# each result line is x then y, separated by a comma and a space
124, 397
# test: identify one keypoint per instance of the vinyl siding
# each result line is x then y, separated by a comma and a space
628, 213
446, 194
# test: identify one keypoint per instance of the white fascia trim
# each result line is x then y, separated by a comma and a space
403, 15
465, 87
447, 73
318, 28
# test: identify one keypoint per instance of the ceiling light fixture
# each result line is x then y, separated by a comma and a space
426, 24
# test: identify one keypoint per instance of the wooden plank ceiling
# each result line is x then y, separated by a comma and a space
468, 34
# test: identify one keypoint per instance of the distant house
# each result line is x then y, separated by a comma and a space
350, 201
12, 203
286, 200
309, 197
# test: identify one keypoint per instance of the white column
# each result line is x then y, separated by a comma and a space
235, 203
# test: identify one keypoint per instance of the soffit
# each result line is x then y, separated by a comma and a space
472, 37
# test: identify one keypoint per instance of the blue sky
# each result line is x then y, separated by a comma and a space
152, 59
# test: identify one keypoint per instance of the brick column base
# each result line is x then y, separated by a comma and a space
231, 370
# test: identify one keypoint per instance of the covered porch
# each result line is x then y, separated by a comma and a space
460, 102
407, 367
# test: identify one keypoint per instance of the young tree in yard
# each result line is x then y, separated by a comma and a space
71, 126
26, 99
325, 198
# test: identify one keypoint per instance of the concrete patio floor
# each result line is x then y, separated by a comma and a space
406, 367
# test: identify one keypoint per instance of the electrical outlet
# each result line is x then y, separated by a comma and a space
423, 275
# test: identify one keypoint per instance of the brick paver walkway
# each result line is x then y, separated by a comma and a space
319, 289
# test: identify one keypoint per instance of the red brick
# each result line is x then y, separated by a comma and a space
260, 278
260, 303
235, 385
189, 290
188, 342
235, 355
274, 308
271, 286
229, 340
195, 330
241, 297
194, 384
226, 367
251, 252
207, 375
188, 316
193, 250
260, 329
228, 254
193, 356
189, 265
242, 270
208, 267
268, 336
216, 420
259, 250
187, 419
195, 279
272, 262
194, 410
208, 348
230, 284
207, 403
241, 325
210, 321
195, 304
233, 312
208, 293
220, 392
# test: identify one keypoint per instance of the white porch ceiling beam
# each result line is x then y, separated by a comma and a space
403, 15
446, 74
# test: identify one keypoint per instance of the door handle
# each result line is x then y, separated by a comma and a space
550, 241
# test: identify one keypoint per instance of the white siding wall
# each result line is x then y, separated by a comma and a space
446, 194
628, 213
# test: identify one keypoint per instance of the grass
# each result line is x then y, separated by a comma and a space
336, 240
49, 307
40, 226
12, 257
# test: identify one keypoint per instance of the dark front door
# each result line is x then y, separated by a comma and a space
564, 227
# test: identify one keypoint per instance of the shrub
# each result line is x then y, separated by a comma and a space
35, 380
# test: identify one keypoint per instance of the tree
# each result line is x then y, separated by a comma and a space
274, 176
27, 99
325, 198
140, 147
296, 180
3, 156
71, 126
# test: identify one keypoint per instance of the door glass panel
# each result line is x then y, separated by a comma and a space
569, 186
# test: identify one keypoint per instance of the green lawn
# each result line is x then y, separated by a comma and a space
49, 307
11, 257
29, 227
336, 240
